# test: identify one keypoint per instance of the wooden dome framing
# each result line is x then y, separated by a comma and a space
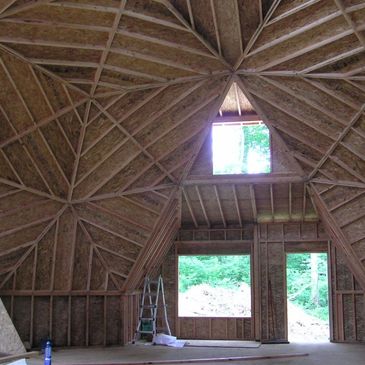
105, 108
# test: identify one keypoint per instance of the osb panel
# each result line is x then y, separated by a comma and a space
298, 20
157, 32
25, 272
96, 320
41, 320
78, 320
60, 321
204, 21
275, 54
292, 106
166, 53
46, 210
82, 265
65, 251
12, 241
155, 70
114, 320
53, 34
249, 14
228, 24
107, 170
112, 223
21, 317
67, 15
313, 60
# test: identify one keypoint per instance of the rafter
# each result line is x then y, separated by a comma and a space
78, 153
202, 206
337, 142
339, 238
344, 12
212, 114
257, 33
95, 248
177, 14
188, 204
295, 33
25, 6
133, 139
292, 11
238, 211
33, 245
220, 206
127, 192
41, 69
253, 202
311, 47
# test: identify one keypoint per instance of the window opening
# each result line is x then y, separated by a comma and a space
241, 148
214, 286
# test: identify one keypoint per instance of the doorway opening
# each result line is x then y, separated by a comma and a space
307, 296
214, 286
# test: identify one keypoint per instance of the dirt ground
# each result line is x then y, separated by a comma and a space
205, 301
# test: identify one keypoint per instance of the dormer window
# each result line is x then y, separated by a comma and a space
241, 148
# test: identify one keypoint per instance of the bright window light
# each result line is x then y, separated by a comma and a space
240, 149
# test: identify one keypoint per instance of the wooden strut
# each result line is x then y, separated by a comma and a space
205, 360
26, 355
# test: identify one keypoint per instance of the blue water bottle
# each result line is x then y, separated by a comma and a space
48, 353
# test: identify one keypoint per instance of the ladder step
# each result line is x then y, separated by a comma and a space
140, 331
147, 318
149, 306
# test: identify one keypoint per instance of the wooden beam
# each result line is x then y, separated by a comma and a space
306, 100
257, 33
209, 360
295, 33
17, 9
253, 202
202, 206
351, 184
5, 5
237, 204
216, 27
177, 14
272, 203
188, 204
311, 47
202, 138
245, 179
43, 70
339, 238
95, 249
336, 143
109, 43
220, 206
292, 11
344, 12
266, 120
34, 244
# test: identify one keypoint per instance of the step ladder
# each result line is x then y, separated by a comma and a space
152, 290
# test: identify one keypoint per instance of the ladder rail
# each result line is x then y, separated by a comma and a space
152, 306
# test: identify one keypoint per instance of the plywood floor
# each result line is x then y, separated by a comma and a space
324, 353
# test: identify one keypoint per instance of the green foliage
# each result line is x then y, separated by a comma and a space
307, 285
256, 139
217, 271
